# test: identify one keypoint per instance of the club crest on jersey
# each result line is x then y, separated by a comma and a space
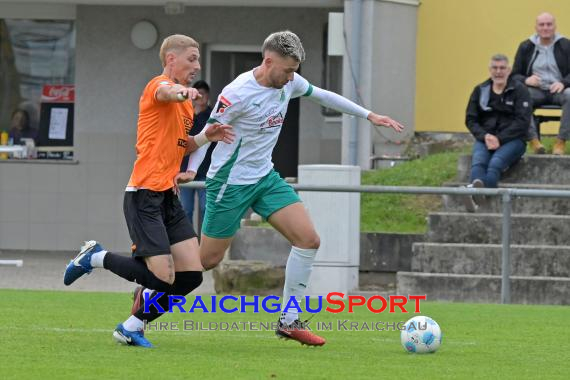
223, 103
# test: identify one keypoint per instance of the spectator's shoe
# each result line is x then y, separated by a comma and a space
559, 146
537, 146
468, 201
300, 332
480, 200
138, 299
81, 264
130, 338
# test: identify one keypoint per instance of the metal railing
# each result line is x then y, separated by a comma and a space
506, 195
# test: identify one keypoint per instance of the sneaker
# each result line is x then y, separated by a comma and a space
559, 147
468, 201
81, 264
299, 332
138, 299
480, 200
537, 146
130, 338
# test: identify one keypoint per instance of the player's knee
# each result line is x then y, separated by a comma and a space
162, 267
164, 274
315, 242
211, 261
312, 241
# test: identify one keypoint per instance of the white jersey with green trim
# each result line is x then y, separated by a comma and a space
256, 114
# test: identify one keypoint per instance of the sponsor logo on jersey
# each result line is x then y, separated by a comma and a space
182, 143
274, 121
188, 124
223, 103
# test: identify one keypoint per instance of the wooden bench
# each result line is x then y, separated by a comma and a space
539, 119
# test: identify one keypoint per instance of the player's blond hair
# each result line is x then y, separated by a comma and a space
285, 43
176, 43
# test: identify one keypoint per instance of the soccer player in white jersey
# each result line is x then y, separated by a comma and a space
241, 174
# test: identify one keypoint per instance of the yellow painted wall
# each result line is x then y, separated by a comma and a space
455, 40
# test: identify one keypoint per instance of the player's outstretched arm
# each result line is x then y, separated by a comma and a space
198, 146
220, 132
176, 93
385, 121
211, 133
340, 103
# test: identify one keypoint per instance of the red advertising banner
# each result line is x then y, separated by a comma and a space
58, 93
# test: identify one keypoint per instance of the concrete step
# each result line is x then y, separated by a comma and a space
538, 169
484, 288
480, 228
520, 205
526, 260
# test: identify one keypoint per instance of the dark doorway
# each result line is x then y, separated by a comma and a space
225, 67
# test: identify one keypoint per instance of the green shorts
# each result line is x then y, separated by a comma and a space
226, 204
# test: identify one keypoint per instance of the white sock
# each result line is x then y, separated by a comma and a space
97, 259
297, 273
147, 291
133, 324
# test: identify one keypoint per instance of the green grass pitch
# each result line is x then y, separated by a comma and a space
52, 335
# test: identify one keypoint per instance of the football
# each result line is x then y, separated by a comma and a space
421, 335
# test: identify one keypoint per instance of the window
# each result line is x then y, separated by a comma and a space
37, 56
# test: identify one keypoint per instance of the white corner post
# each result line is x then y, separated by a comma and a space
336, 217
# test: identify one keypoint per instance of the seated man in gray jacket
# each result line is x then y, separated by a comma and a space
498, 115
542, 63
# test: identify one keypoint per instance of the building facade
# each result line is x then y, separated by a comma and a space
55, 205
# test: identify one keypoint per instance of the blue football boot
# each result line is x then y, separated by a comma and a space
81, 264
130, 338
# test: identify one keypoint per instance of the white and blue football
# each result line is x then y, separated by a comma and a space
421, 335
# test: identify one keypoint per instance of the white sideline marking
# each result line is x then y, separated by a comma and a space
57, 329
233, 334
445, 342
237, 334
17, 263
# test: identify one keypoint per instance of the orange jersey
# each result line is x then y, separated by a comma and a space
162, 138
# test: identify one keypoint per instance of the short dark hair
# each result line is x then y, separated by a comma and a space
201, 85
286, 44
500, 58
26, 119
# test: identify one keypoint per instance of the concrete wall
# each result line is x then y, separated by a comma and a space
57, 206
379, 252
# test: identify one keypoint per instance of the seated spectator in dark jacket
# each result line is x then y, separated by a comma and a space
542, 63
498, 114
20, 127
